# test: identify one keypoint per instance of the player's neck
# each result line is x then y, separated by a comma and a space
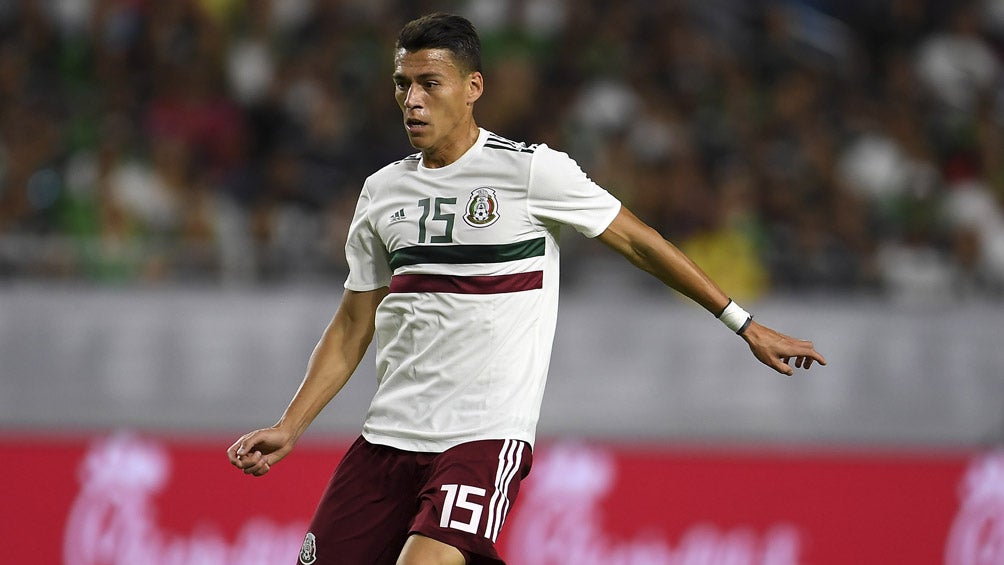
452, 149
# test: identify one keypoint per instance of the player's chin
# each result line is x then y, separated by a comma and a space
418, 140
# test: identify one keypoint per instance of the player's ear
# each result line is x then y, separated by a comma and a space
475, 87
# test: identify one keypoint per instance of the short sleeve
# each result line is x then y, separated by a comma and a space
365, 253
561, 192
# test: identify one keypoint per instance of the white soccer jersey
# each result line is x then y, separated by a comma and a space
470, 253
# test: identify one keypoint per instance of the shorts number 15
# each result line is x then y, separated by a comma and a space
456, 497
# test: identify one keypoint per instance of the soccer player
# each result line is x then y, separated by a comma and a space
453, 266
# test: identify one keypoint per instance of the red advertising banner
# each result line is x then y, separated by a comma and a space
126, 498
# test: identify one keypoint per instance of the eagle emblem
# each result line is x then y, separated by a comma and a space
308, 551
482, 208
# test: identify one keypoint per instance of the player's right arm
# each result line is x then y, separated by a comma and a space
335, 358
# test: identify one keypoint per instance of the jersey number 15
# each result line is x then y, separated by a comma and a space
435, 208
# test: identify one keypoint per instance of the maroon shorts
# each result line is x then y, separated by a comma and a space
380, 495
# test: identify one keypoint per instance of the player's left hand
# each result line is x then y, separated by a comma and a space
778, 351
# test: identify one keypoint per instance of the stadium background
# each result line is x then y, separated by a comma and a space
176, 180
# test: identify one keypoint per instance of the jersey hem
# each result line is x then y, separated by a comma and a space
439, 446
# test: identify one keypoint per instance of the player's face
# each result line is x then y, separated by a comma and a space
436, 98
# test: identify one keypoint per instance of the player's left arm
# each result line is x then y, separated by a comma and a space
644, 247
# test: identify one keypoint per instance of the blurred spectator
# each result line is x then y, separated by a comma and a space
788, 145
956, 63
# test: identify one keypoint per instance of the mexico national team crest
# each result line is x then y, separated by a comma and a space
308, 552
482, 208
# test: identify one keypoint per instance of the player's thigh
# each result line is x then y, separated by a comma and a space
468, 495
365, 512
420, 550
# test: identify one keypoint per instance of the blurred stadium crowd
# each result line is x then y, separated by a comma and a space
842, 146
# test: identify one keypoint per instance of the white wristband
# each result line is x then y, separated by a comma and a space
735, 318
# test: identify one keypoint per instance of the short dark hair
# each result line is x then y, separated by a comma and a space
444, 31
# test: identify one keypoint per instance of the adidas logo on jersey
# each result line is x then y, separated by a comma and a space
397, 216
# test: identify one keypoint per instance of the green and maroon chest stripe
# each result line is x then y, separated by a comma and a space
466, 254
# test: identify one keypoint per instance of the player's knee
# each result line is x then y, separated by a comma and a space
420, 550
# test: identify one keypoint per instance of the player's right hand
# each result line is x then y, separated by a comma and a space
256, 452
